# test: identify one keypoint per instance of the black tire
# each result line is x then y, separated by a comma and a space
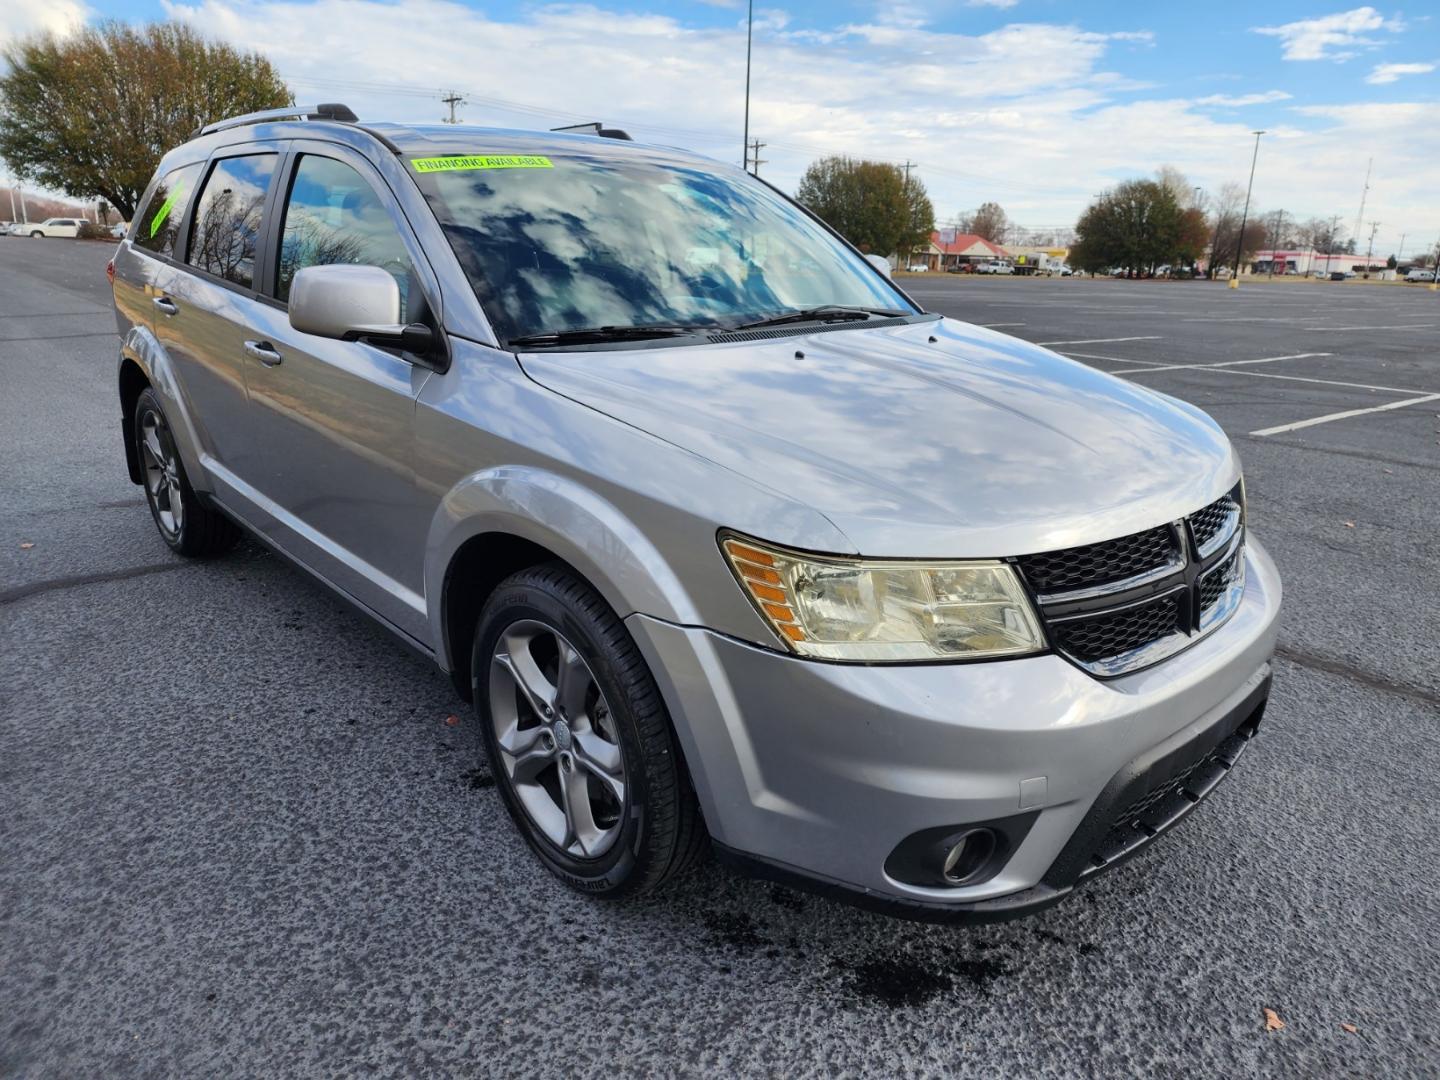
197, 531
37, 234
660, 828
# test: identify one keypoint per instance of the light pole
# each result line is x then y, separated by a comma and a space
1195, 259
1240, 240
749, 37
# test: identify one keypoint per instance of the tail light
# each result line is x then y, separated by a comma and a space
110, 271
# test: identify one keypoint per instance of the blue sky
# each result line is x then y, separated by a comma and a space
1038, 104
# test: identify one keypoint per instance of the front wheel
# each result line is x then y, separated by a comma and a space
578, 738
37, 234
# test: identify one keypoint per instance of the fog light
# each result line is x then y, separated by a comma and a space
964, 854
969, 855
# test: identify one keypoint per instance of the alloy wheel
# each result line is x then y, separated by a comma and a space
162, 473
559, 745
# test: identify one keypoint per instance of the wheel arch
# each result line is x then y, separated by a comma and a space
132, 382
143, 362
498, 521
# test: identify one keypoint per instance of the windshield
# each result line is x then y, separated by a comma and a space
615, 239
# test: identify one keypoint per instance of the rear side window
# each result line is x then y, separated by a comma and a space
226, 233
334, 216
159, 225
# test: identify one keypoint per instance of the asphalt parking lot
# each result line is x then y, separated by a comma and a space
240, 833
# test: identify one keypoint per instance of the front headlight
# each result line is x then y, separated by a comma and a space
874, 611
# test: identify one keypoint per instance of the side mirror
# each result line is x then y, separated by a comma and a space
879, 262
353, 302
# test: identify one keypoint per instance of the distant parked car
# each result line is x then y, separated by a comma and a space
1065, 271
1418, 274
55, 226
119, 231
917, 268
995, 268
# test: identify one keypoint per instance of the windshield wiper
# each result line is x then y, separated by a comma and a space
824, 313
597, 334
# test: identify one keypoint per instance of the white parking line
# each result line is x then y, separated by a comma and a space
1343, 415
1100, 340
992, 325
1302, 378
1235, 363
1096, 356
1410, 326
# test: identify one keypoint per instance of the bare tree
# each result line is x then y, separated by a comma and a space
1176, 183
989, 223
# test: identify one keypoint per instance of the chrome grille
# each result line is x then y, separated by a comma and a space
1212, 525
1100, 564
1121, 605
1095, 638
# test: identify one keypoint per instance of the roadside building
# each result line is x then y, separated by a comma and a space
952, 249
1307, 263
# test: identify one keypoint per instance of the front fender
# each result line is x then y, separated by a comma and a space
582, 528
141, 347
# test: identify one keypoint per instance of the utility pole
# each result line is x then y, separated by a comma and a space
749, 39
1435, 266
1240, 240
452, 99
12, 203
754, 159
905, 189
1370, 251
1400, 252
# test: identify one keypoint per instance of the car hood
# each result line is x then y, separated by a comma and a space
934, 438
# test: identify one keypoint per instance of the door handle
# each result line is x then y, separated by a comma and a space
262, 351
166, 305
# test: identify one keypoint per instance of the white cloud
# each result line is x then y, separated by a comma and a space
1317, 39
1042, 145
1236, 101
1388, 73
19, 18
992, 3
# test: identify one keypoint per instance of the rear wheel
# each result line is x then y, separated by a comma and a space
578, 738
184, 523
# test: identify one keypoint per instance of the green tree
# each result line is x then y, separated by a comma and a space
91, 114
867, 202
1136, 225
921, 218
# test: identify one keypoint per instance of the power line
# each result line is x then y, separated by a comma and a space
452, 99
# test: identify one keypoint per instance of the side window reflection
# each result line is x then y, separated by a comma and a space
333, 215
226, 232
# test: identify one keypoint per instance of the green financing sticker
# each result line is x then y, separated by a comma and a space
165, 208
483, 161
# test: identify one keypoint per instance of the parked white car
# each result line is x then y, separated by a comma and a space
995, 268
917, 268
1419, 274
55, 226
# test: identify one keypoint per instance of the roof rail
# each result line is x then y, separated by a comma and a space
331, 111
595, 129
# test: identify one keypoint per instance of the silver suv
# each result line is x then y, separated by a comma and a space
726, 538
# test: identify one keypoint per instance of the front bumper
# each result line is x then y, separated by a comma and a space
814, 772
